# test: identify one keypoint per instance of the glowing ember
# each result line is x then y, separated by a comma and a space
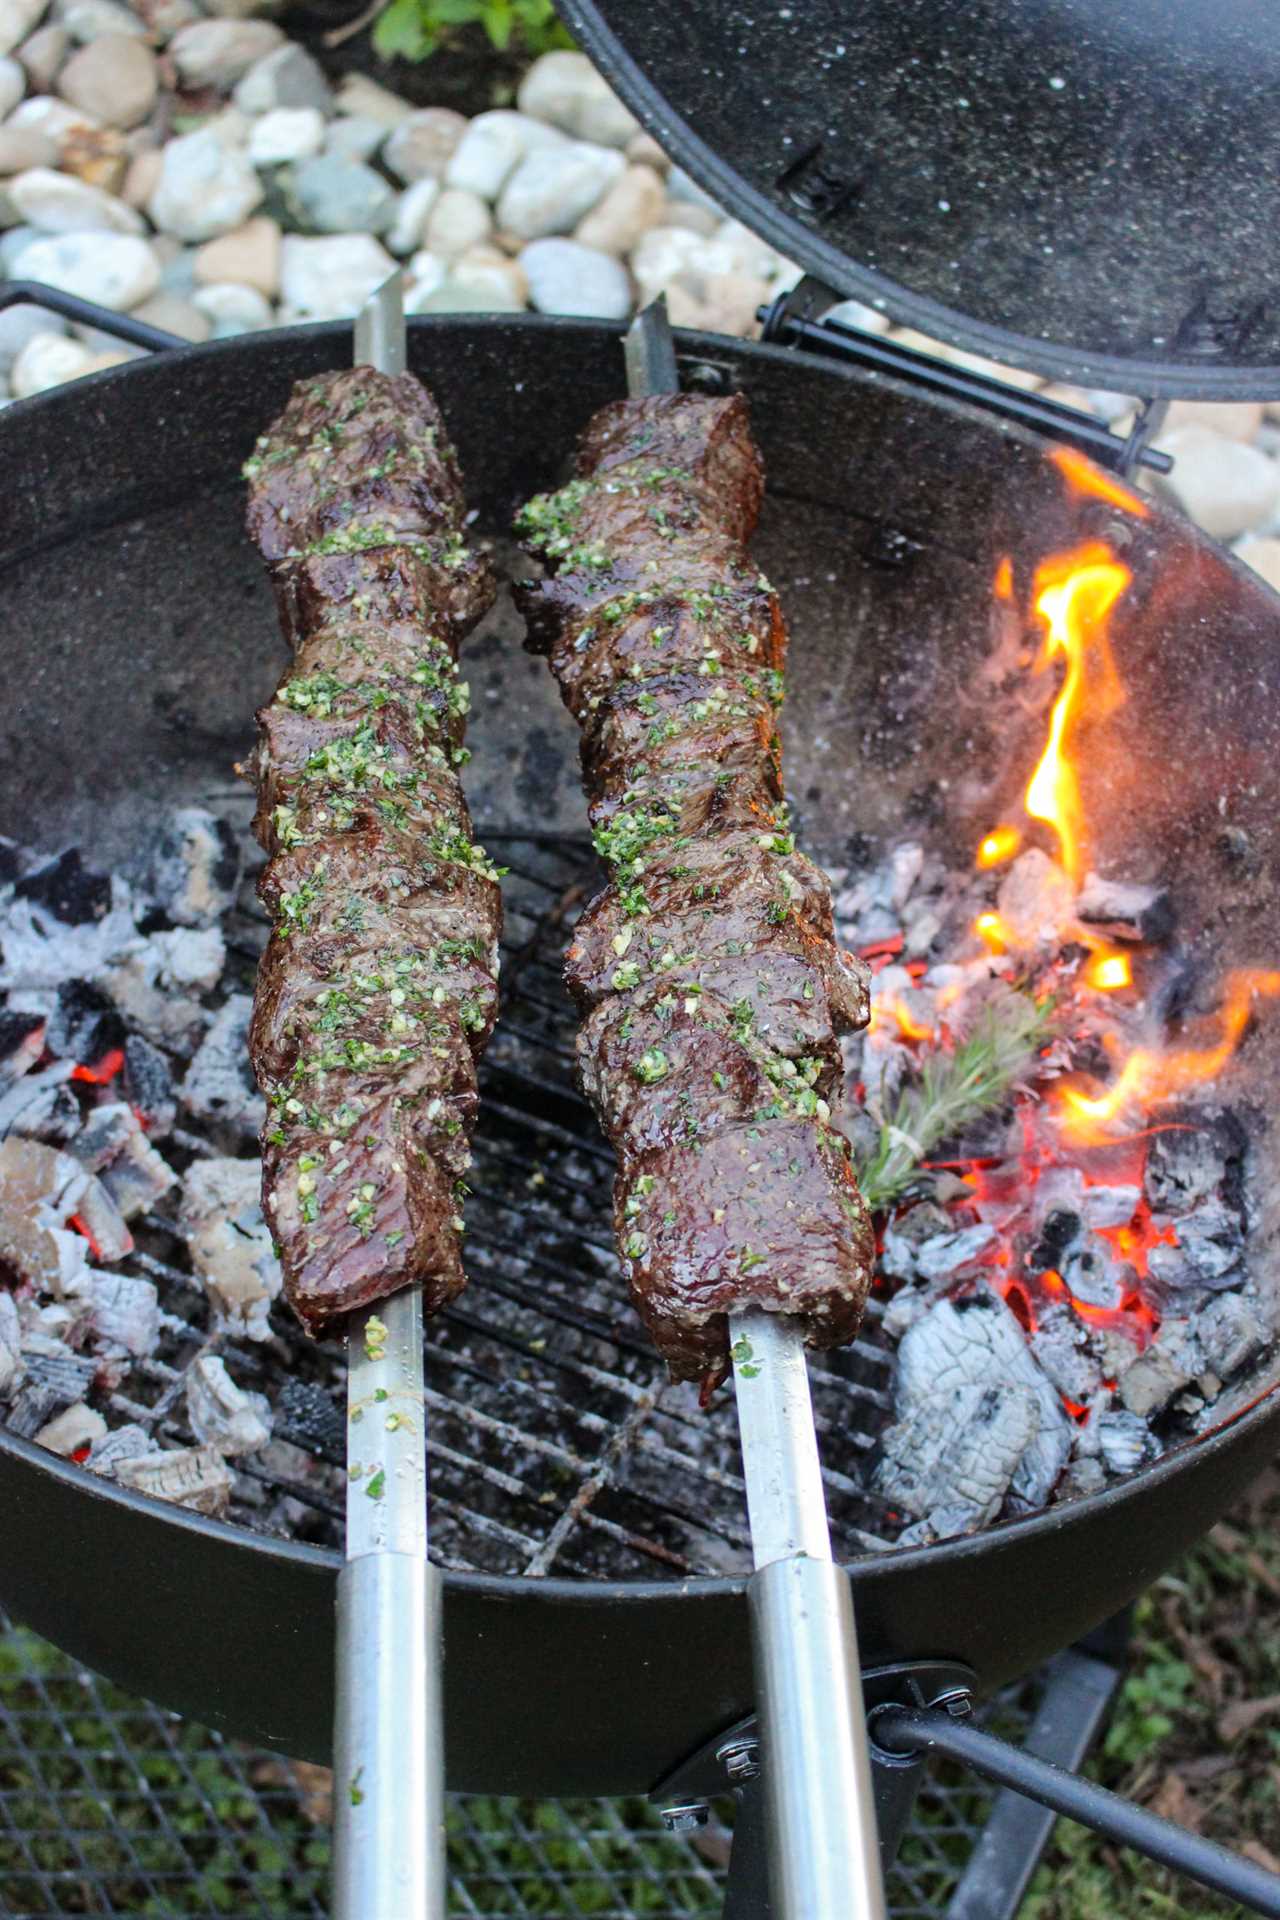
1002, 585
992, 932
1109, 971
1074, 594
997, 846
104, 1071
1082, 477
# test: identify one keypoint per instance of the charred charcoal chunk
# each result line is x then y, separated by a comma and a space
1188, 1162
84, 1024
21, 1044
67, 889
147, 1084
194, 867
12, 861
1207, 1252
307, 1415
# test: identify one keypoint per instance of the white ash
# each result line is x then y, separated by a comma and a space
34, 1101
1108, 1206
1208, 1253
125, 1313
157, 985
138, 1177
219, 1086
1095, 1276
951, 1460
38, 951
221, 1413
39, 1188
21, 1044
195, 1477
1187, 1164
1124, 1440
1230, 1333
130, 1442
193, 870
79, 1426
11, 1362
1125, 910
1061, 1345
904, 1237
1170, 1363
104, 1134
230, 1245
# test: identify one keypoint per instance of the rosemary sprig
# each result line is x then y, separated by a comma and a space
954, 1089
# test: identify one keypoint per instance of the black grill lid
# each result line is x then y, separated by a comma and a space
1084, 187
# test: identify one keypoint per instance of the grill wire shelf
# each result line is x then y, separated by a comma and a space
111, 1806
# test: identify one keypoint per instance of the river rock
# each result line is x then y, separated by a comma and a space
632, 205
566, 277
354, 135
358, 94
688, 218
114, 79
142, 178
18, 18
1226, 488
466, 291
233, 309
21, 323
664, 252
643, 151
412, 211
566, 90
88, 20
116, 270
327, 279
167, 17
248, 256
59, 203
1234, 420
491, 148
682, 186
550, 190
215, 53
205, 187
286, 77
423, 274
13, 84
46, 361
458, 221
421, 145
333, 195
286, 134
175, 315
53, 118
715, 302
23, 147
12, 243
43, 54
1263, 555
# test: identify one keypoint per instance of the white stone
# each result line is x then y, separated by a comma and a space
550, 190
328, 278
248, 255
681, 186
853, 313
284, 134
43, 54
115, 79
566, 277
20, 149
205, 188
175, 315
632, 205
233, 309
412, 210
214, 53
331, 194
423, 143
565, 89
1235, 420
491, 148
59, 203
661, 255
744, 252
468, 290
46, 361
88, 20
458, 221
355, 136
13, 84
20, 324
18, 18
54, 118
1263, 555
286, 77
358, 94
116, 270
1226, 487
425, 273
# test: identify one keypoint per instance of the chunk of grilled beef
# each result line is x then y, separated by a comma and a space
378, 987
712, 990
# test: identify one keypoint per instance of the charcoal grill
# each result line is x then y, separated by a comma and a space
590, 1522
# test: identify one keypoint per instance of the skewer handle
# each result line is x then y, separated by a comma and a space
824, 1852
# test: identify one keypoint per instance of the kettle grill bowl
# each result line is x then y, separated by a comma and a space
140, 635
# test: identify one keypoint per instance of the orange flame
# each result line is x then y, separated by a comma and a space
1074, 593
997, 846
1148, 1076
1002, 585
1109, 971
1082, 477
993, 933
887, 1007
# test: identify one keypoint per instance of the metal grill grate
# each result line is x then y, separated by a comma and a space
109, 1806
557, 1444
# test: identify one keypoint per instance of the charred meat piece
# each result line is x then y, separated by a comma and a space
378, 987
712, 990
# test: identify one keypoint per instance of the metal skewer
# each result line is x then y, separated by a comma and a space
824, 1855
388, 1740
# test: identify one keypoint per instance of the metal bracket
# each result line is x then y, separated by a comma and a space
732, 1761
798, 319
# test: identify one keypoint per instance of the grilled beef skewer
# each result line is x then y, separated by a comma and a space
712, 990
378, 986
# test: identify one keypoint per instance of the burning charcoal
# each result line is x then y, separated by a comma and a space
194, 868
156, 985
11, 1363
100, 1220
78, 1427
147, 1085
979, 1343
1207, 1255
37, 1190
123, 1443
68, 1375
40, 951
1094, 1275
946, 1256
1123, 1440
21, 1044
903, 1239
30, 1097
83, 1024
231, 1248
958, 1451
1060, 1345
905, 865
105, 1134
1229, 1333
195, 1477
1036, 901
1084, 1475
921, 926
1125, 911
66, 889
1169, 1363
221, 1413
219, 1086
125, 1312
307, 1415
138, 1177
1185, 1165
1109, 1206
52, 1115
